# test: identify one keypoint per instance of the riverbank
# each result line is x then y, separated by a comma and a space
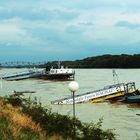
122, 117
22, 118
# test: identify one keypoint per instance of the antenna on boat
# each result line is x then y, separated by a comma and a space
1, 83
58, 64
115, 76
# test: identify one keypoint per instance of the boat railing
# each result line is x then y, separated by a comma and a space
30, 71
75, 96
116, 85
109, 87
15, 73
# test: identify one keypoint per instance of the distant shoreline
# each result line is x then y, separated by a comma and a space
104, 61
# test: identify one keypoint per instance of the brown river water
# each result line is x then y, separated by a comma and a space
121, 117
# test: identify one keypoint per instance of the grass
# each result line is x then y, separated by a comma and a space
16, 125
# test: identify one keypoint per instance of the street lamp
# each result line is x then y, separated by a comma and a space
73, 87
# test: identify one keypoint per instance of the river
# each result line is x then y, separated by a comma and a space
121, 117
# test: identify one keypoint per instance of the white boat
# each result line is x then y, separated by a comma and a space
30, 73
58, 73
107, 92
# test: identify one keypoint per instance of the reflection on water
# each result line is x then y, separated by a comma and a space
124, 118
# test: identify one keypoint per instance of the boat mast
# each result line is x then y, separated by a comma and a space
1, 82
58, 64
115, 76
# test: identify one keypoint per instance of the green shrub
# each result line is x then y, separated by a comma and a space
64, 125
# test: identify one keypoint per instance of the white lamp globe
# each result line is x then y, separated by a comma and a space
73, 86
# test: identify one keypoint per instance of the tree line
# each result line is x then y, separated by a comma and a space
103, 61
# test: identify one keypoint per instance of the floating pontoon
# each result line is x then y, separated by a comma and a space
107, 92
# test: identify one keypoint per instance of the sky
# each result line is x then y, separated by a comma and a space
46, 30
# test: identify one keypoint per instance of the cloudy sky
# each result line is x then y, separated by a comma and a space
42, 30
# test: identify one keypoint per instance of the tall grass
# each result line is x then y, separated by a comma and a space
16, 125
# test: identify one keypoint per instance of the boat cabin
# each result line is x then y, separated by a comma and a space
61, 70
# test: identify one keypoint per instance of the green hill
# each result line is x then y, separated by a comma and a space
103, 61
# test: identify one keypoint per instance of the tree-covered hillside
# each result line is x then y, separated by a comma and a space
104, 61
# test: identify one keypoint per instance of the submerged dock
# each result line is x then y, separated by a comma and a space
107, 92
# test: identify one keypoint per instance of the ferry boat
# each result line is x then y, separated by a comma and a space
60, 73
96, 96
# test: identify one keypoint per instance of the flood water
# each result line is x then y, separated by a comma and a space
121, 117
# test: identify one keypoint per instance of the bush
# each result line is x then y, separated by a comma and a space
57, 124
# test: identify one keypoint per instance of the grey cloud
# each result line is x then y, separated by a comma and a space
127, 24
86, 23
30, 13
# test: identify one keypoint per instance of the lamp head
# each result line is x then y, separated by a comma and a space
73, 86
